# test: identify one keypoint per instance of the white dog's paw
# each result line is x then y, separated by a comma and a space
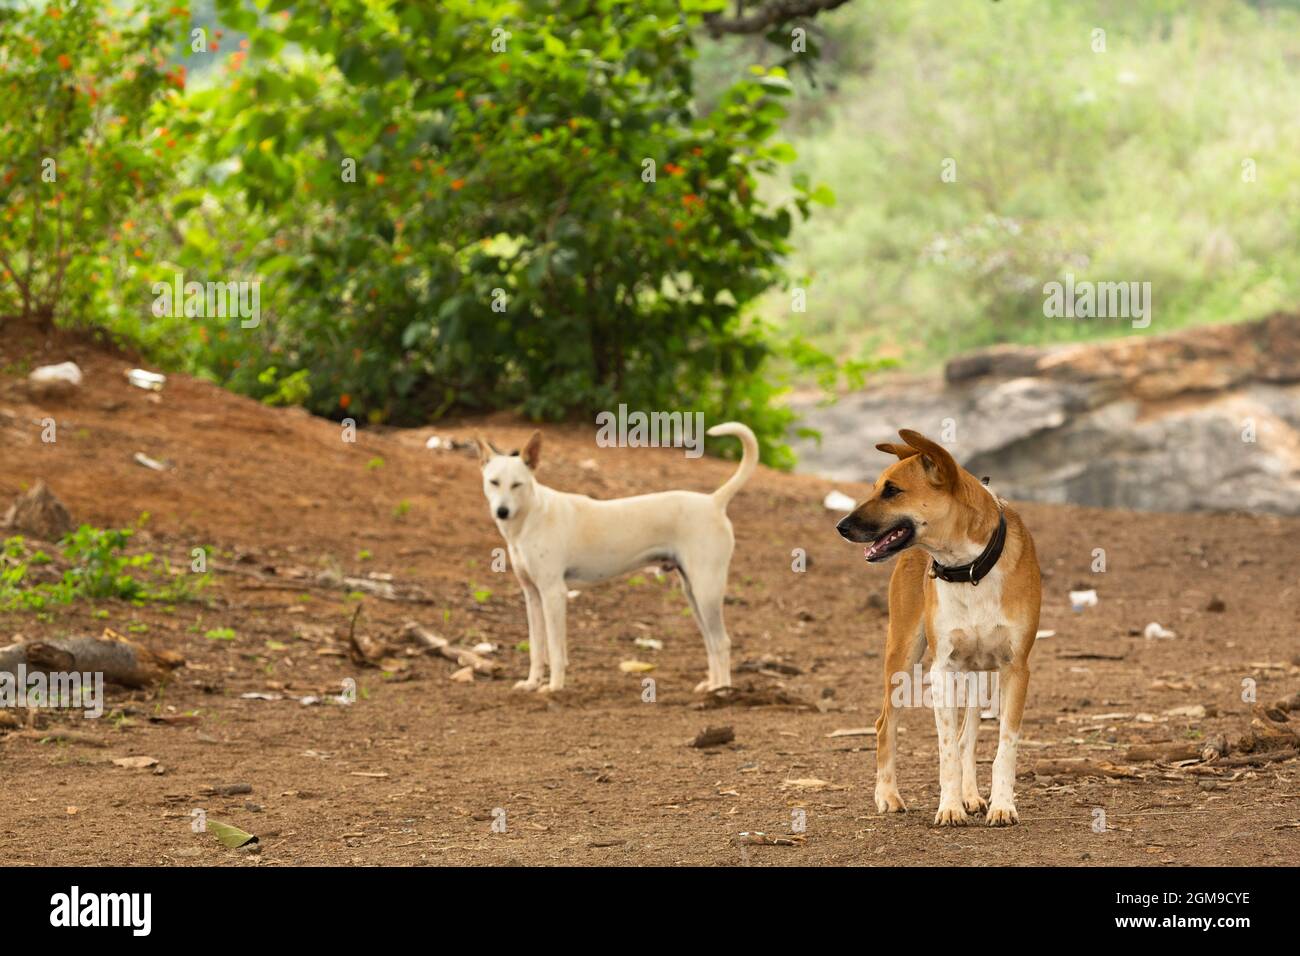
1003, 816
708, 687
888, 800
974, 803
954, 816
527, 684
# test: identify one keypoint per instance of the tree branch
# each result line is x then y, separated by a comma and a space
768, 15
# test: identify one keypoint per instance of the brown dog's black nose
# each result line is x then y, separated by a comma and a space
853, 528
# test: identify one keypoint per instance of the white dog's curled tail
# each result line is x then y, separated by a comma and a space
748, 460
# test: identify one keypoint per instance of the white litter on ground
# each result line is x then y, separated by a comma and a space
149, 381
1081, 599
65, 372
837, 501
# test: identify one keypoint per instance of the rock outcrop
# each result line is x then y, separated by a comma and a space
1205, 419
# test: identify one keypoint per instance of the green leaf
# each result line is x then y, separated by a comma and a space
230, 836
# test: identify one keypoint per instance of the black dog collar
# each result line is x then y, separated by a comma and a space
973, 572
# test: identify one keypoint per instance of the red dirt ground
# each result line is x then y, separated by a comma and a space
413, 771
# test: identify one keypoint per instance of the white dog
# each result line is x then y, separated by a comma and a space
556, 539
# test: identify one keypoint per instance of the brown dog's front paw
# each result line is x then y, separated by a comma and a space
1003, 816
951, 817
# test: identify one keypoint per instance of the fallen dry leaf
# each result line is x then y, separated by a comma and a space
134, 763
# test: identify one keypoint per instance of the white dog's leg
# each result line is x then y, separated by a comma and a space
951, 812
1013, 682
705, 594
554, 608
970, 788
536, 639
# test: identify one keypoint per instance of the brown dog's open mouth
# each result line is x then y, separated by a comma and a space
890, 543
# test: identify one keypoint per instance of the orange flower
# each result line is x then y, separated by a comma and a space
460, 94
457, 184
345, 400
65, 61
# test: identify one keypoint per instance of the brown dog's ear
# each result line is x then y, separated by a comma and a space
940, 466
532, 452
484, 450
901, 452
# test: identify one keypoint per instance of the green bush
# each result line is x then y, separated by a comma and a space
82, 87
503, 244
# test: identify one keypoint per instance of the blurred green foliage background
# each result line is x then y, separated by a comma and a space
503, 244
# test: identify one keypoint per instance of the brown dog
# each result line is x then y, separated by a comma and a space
970, 591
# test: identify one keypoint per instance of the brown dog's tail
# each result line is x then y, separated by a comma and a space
748, 460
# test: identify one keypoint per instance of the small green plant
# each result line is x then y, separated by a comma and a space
98, 567
402, 510
374, 464
220, 634
482, 595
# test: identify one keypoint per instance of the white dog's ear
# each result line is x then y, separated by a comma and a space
532, 452
485, 450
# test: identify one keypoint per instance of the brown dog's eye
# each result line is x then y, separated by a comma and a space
515, 485
891, 490
494, 483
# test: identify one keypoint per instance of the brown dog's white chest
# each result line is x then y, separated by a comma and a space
968, 624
